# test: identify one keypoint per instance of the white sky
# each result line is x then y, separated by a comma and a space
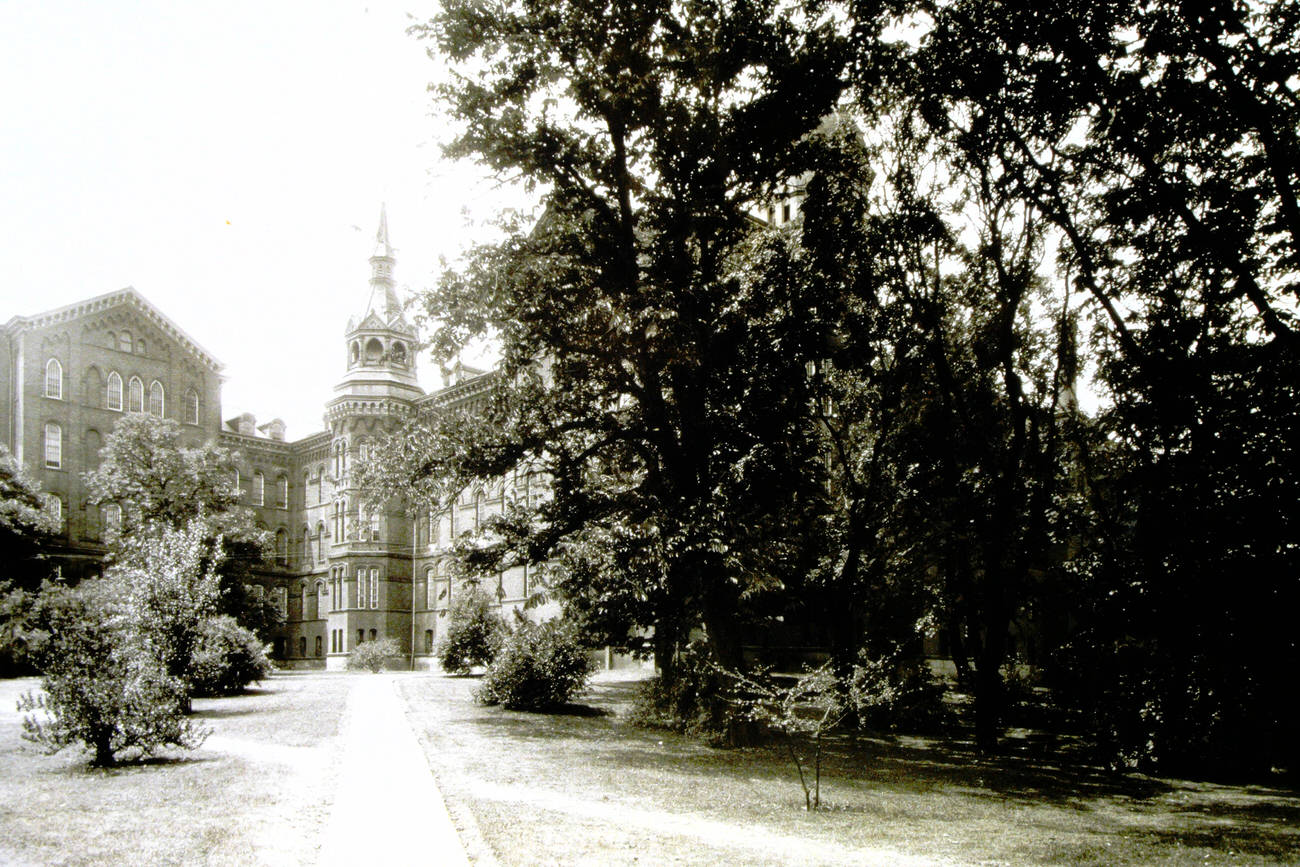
228, 160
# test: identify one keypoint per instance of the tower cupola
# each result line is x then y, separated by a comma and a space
380, 342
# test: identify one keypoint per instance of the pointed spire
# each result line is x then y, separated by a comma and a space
383, 294
382, 248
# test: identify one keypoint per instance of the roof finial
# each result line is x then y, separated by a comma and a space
382, 247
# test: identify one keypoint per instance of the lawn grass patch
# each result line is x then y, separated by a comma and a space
255, 792
591, 788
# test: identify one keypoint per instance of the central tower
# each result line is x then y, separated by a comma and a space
370, 552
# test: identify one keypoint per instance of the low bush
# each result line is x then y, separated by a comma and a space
474, 632
689, 703
101, 688
227, 658
373, 656
539, 667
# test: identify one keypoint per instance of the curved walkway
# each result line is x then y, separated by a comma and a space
386, 805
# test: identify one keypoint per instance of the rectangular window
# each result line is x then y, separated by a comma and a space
428, 641
259, 489
282, 492
53, 446
361, 636
374, 588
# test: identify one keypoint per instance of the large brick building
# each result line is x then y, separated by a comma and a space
340, 575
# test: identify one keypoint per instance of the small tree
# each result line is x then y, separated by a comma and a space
168, 586
372, 656
539, 667
102, 688
474, 631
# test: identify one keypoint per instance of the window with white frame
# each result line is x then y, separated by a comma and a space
114, 398
112, 518
374, 588
259, 488
374, 526
54, 379
54, 503
135, 395
53, 445
156, 399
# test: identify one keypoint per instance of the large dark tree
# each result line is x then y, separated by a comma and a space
650, 366
1159, 139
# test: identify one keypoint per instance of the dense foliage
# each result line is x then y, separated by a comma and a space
102, 688
473, 632
866, 424
26, 527
539, 667
227, 658
374, 656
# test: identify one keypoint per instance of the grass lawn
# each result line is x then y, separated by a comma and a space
590, 788
255, 793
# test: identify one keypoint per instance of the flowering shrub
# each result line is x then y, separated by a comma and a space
227, 658
373, 656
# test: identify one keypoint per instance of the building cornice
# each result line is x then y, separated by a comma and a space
128, 297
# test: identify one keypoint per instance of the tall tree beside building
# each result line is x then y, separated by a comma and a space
646, 368
26, 526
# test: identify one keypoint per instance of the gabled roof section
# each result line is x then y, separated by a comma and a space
127, 297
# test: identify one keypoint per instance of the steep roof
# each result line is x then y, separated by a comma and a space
127, 297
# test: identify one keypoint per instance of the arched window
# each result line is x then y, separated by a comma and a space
340, 507
92, 444
139, 347
281, 597
282, 491
114, 401
54, 379
399, 353
124, 341
320, 484
373, 635
282, 547
191, 406
428, 641
354, 353
320, 541
156, 399
318, 645
306, 548
306, 488
53, 445
54, 504
302, 645
374, 351
259, 488
135, 395
430, 588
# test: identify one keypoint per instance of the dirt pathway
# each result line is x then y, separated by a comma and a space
386, 806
